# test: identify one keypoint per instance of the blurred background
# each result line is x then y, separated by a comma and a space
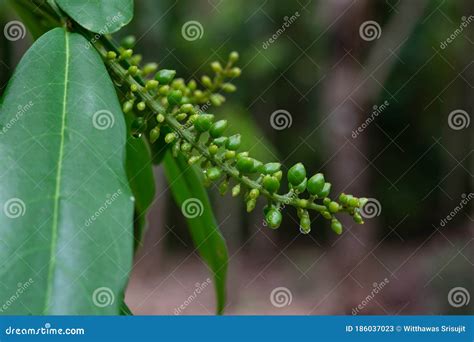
376, 94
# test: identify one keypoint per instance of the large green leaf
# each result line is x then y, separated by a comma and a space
65, 204
140, 177
100, 16
191, 196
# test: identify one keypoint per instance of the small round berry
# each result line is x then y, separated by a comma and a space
273, 218
218, 128
296, 174
270, 183
203, 122
165, 76
233, 143
316, 184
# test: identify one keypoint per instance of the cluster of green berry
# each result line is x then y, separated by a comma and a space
163, 103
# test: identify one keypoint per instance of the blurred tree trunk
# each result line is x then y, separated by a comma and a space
353, 86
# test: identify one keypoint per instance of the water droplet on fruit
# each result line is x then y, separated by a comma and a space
304, 231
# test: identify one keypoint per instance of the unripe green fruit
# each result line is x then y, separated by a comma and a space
301, 187
343, 199
326, 214
216, 67
132, 70
151, 84
278, 175
127, 106
254, 193
273, 218
296, 174
354, 202
336, 226
236, 190
164, 90
203, 122
216, 100
128, 42
192, 85
229, 154
170, 137
244, 164
206, 80
220, 141
213, 173
251, 205
136, 59
316, 184
270, 183
213, 149
229, 87
234, 56
218, 128
154, 134
233, 143
165, 76
305, 223
141, 106
193, 160
149, 68
187, 108
326, 201
126, 54
257, 164
111, 55
181, 116
235, 72
175, 97
186, 147
333, 207
358, 219
160, 118
270, 168
326, 190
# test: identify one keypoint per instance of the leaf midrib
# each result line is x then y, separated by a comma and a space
55, 223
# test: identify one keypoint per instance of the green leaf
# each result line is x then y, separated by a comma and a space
99, 16
140, 177
187, 189
65, 204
